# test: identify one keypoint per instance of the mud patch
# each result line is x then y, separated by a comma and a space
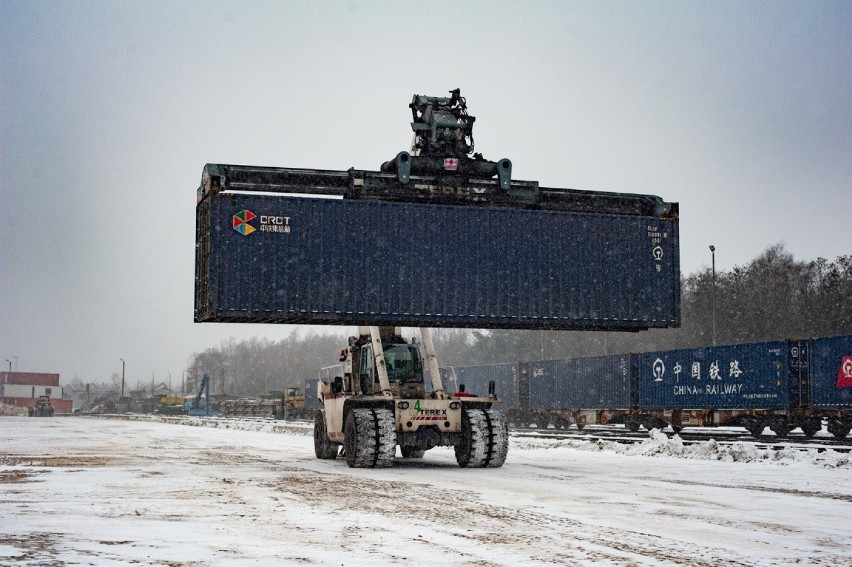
18, 476
39, 548
63, 462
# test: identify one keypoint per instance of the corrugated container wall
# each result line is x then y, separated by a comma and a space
282, 259
831, 372
745, 376
476, 378
601, 382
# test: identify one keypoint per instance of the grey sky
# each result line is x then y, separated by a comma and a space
740, 111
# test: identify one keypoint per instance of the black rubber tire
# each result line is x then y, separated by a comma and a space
412, 453
485, 439
580, 426
370, 438
632, 425
323, 447
542, 421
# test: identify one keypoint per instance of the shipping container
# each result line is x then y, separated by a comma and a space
476, 378
831, 372
744, 376
284, 259
600, 382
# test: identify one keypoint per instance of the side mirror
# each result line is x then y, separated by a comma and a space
337, 385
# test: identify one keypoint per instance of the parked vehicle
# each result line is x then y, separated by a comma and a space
42, 408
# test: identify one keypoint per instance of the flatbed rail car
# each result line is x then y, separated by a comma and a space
782, 385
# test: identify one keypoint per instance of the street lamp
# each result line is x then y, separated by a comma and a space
122, 379
713, 304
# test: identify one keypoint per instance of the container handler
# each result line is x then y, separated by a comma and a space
381, 401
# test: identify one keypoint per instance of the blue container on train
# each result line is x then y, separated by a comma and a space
600, 382
281, 259
748, 376
831, 372
476, 379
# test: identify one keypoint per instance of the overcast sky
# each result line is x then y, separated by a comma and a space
740, 111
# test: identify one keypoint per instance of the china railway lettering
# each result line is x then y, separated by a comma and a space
708, 389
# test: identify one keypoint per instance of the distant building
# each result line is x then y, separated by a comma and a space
22, 389
82, 396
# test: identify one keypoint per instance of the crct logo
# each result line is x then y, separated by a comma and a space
242, 220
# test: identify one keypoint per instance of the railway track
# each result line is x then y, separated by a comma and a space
691, 436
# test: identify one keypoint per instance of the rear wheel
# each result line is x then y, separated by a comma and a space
485, 439
370, 438
323, 448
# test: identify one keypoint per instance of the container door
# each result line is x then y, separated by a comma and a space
799, 355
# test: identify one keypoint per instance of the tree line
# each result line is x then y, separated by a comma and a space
772, 297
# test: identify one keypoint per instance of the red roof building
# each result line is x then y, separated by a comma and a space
23, 389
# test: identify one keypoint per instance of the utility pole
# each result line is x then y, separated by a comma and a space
713, 300
122, 379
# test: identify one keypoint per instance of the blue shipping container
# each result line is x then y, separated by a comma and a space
476, 378
600, 382
831, 372
282, 259
724, 377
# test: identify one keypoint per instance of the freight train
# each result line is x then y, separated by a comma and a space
782, 385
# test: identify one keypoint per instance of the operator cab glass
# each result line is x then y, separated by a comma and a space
403, 364
402, 361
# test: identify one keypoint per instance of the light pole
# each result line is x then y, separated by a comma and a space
10, 365
122, 379
713, 304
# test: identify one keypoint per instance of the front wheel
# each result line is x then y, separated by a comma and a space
370, 438
485, 439
323, 448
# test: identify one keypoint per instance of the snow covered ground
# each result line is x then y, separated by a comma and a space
82, 491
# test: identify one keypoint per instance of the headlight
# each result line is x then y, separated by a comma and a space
402, 405
454, 405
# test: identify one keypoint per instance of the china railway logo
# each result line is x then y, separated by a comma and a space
844, 374
241, 222
659, 370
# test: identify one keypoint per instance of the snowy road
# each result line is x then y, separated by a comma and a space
76, 491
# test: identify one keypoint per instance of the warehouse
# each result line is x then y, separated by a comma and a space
22, 389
